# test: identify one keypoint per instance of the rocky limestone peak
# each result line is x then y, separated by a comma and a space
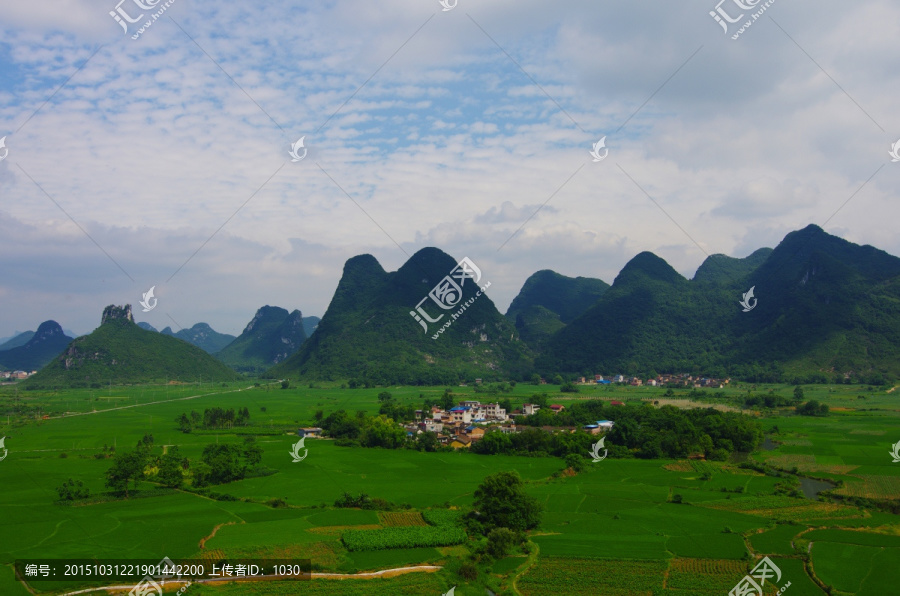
117, 313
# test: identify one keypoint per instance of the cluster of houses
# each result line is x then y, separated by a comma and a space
468, 422
682, 380
16, 375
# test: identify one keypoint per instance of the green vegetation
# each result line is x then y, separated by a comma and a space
121, 352
549, 301
501, 502
402, 537
269, 338
610, 528
368, 333
203, 336
823, 304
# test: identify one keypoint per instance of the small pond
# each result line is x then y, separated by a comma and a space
811, 488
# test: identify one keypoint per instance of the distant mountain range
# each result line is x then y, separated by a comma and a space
20, 338
39, 349
203, 336
269, 338
822, 308
121, 352
816, 308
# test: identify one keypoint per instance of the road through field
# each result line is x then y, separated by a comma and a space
149, 403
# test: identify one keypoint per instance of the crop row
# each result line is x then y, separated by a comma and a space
402, 537
401, 518
442, 517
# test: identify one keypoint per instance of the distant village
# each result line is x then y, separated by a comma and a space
468, 421
16, 375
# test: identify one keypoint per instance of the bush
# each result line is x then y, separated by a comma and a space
500, 542
575, 461
468, 571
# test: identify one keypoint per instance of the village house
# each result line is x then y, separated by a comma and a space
314, 432
475, 433
529, 409
556, 408
461, 414
461, 442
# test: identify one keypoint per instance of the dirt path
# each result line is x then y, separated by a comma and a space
203, 540
149, 403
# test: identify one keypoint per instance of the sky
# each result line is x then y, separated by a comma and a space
160, 157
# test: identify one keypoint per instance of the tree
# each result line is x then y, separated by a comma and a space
798, 394
252, 452
427, 441
501, 502
184, 423
447, 400
71, 490
126, 467
535, 379
540, 399
492, 443
285, 384
385, 396
499, 542
569, 387
224, 462
382, 431
506, 404
170, 473
574, 461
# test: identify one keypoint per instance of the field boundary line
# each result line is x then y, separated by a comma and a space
149, 403
532, 559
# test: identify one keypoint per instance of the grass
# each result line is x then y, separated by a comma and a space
606, 527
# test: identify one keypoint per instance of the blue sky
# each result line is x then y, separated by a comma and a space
149, 151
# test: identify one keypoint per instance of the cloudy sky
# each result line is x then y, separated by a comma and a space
163, 160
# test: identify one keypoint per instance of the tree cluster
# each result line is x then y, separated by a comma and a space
213, 418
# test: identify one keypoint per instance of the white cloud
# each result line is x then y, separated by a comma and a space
151, 147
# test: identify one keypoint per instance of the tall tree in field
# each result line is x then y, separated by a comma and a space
126, 467
170, 474
501, 502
